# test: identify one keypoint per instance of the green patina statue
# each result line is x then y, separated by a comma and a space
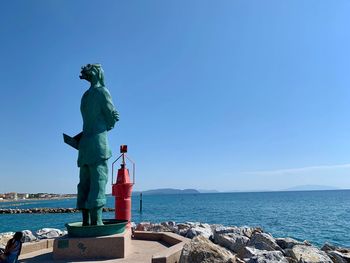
99, 116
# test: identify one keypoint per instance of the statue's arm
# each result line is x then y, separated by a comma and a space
108, 110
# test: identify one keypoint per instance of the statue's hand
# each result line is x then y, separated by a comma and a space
116, 116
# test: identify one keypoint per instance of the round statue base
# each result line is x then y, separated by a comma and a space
109, 227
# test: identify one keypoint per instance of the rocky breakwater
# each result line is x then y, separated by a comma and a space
222, 244
45, 210
29, 236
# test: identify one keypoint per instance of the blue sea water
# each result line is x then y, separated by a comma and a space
317, 216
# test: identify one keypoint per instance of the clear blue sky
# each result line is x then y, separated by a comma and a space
226, 95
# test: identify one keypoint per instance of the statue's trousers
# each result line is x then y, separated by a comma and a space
92, 185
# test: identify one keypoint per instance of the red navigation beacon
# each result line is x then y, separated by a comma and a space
122, 188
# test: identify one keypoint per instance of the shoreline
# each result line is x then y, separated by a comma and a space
35, 199
221, 243
46, 210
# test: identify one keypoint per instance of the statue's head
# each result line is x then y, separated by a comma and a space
92, 73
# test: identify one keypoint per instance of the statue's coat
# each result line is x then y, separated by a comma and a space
99, 116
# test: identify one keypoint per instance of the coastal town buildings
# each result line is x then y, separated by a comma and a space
23, 196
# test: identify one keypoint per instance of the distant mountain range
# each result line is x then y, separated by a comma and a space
204, 191
311, 188
167, 191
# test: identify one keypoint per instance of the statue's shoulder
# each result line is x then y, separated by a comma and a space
103, 92
85, 94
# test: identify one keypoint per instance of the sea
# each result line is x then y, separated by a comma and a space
316, 216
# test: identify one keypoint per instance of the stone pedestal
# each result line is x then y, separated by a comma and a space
103, 247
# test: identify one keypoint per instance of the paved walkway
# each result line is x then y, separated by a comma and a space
141, 252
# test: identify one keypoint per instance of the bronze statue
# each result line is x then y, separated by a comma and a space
99, 116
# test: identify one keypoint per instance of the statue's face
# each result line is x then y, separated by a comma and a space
87, 72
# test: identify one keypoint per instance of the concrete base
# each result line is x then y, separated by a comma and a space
145, 247
81, 248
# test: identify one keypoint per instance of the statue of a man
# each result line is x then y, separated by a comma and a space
99, 116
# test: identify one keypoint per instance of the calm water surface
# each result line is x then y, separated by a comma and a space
318, 216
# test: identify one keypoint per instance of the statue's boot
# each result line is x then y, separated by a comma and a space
96, 216
86, 217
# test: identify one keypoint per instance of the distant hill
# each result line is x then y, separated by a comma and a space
204, 191
167, 191
311, 188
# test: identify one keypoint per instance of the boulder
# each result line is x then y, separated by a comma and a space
249, 231
200, 229
7, 235
215, 226
227, 229
231, 241
263, 241
154, 227
339, 257
291, 260
144, 226
202, 250
28, 236
182, 229
328, 247
48, 233
182, 226
133, 225
253, 255
309, 254
244, 230
307, 243
286, 243
170, 226
159, 228
192, 224
288, 252
4, 237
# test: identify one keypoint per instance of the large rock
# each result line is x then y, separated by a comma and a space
263, 241
48, 233
246, 231
133, 225
339, 257
28, 236
328, 247
160, 228
170, 225
202, 250
234, 238
156, 227
249, 231
4, 237
144, 226
286, 243
199, 229
182, 229
309, 254
337, 254
227, 229
253, 255
231, 241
